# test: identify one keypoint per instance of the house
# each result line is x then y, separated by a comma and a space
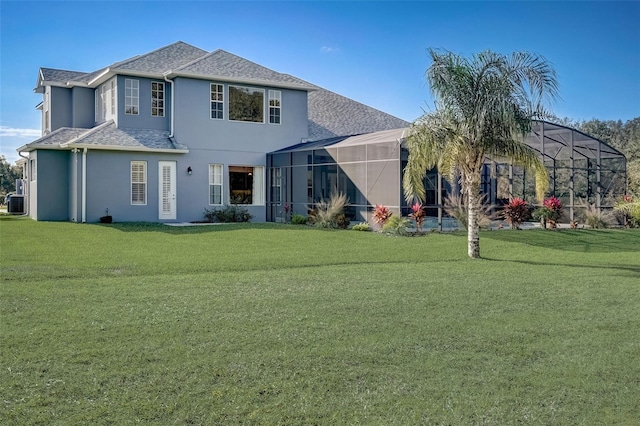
163, 136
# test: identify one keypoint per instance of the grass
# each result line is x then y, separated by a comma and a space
279, 324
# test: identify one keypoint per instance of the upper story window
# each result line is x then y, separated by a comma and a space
275, 100
217, 101
246, 104
106, 101
157, 99
131, 96
45, 114
113, 97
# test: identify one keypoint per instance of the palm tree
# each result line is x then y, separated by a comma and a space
484, 107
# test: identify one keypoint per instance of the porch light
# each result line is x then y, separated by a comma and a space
189, 170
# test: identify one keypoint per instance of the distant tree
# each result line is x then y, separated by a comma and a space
484, 108
626, 138
8, 176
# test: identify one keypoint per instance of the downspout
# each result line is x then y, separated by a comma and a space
172, 101
27, 183
84, 185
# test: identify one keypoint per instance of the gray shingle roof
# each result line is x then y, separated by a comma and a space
107, 136
57, 137
220, 63
111, 136
60, 76
163, 59
333, 115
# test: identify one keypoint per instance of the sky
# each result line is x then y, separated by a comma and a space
373, 52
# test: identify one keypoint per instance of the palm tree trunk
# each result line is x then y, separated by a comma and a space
473, 236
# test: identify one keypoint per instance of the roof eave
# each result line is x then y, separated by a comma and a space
240, 80
126, 148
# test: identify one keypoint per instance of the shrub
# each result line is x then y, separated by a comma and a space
455, 207
298, 219
630, 209
396, 225
418, 215
381, 214
516, 212
550, 212
362, 226
329, 214
227, 214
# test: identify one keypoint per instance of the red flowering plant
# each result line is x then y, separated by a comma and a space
516, 212
549, 213
381, 214
418, 214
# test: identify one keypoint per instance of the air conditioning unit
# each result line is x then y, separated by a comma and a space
16, 204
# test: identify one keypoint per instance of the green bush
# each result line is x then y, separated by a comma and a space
298, 219
362, 226
396, 225
227, 214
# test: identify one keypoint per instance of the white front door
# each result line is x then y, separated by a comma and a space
167, 190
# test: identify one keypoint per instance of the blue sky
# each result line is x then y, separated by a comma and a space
373, 52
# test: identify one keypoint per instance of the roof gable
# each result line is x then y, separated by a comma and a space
162, 60
227, 66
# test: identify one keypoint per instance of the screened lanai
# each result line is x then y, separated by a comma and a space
368, 169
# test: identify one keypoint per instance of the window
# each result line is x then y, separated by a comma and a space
246, 185
98, 114
32, 164
217, 101
157, 99
139, 182
215, 184
275, 99
246, 104
276, 185
113, 97
131, 96
103, 102
45, 113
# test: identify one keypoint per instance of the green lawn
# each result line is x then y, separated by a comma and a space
278, 324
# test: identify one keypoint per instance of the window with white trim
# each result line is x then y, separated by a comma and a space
246, 185
157, 99
103, 102
276, 185
113, 97
275, 101
215, 184
131, 96
34, 170
246, 104
217, 101
139, 182
45, 113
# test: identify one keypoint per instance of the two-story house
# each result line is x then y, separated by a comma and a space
164, 135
